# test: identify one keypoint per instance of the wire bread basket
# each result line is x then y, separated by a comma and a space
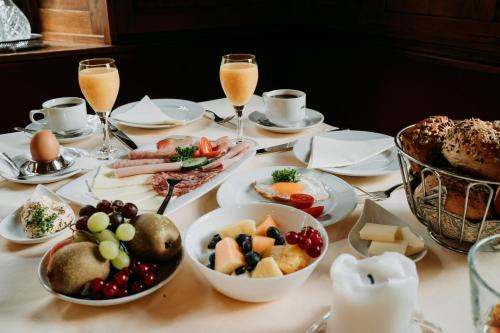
428, 203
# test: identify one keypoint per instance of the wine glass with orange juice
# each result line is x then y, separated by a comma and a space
100, 82
238, 76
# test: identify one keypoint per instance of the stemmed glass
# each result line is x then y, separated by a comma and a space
99, 81
238, 77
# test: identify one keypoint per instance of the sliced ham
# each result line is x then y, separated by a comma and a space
233, 151
129, 163
143, 154
223, 144
227, 162
168, 145
147, 169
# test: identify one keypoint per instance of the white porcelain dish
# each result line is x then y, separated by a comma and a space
78, 191
239, 190
381, 164
90, 129
244, 288
174, 108
11, 227
374, 213
312, 119
166, 272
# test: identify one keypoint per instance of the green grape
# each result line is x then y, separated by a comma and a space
125, 232
108, 249
121, 261
98, 222
106, 235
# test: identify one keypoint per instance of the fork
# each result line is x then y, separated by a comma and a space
218, 119
379, 195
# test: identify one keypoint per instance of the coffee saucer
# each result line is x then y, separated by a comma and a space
89, 130
312, 119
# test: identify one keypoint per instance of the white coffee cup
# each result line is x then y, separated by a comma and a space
65, 114
285, 107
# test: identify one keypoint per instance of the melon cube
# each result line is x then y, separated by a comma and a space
290, 258
228, 256
266, 268
268, 222
261, 244
242, 227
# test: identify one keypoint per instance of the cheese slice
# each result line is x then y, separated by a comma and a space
377, 248
151, 204
379, 232
106, 179
415, 244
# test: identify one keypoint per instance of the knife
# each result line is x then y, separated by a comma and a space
122, 137
287, 146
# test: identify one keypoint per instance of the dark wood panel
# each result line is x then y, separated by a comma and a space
65, 21
409, 6
65, 4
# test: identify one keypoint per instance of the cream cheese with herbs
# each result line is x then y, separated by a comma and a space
42, 216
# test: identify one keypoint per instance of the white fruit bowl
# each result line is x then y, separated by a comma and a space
245, 288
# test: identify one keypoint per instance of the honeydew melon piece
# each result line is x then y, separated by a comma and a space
268, 222
261, 244
228, 256
290, 258
266, 268
242, 227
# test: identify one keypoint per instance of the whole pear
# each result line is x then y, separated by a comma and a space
156, 238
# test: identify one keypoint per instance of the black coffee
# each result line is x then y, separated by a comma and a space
66, 105
285, 96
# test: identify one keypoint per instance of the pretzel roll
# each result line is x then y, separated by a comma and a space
455, 197
473, 145
424, 141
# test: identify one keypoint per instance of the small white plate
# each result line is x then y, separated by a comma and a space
166, 272
374, 213
93, 123
11, 227
381, 164
175, 108
239, 190
8, 173
312, 119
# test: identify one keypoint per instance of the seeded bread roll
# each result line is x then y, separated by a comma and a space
455, 198
424, 141
473, 145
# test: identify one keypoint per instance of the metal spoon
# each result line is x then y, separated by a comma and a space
57, 134
13, 165
171, 184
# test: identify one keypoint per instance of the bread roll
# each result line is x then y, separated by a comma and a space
455, 198
473, 145
424, 141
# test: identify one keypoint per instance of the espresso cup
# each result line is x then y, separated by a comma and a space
285, 107
65, 114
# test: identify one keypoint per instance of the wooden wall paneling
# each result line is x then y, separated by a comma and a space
409, 6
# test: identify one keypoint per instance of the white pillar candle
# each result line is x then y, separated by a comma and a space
373, 295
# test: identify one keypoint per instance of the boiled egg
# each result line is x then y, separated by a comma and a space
281, 191
44, 146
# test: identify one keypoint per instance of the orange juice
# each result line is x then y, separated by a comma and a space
239, 80
100, 87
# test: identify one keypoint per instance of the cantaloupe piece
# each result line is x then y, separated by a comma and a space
266, 268
290, 258
268, 222
261, 244
228, 256
242, 227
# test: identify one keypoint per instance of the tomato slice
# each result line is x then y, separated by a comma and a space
212, 154
314, 211
301, 200
197, 153
205, 146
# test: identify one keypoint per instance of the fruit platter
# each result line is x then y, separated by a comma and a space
114, 256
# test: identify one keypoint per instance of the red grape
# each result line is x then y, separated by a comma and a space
314, 251
292, 237
87, 210
95, 295
136, 287
129, 210
117, 205
142, 269
110, 290
134, 264
104, 206
149, 279
96, 285
304, 242
123, 292
120, 279
154, 267
127, 271
316, 240
81, 223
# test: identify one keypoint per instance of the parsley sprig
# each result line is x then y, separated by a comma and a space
183, 153
286, 175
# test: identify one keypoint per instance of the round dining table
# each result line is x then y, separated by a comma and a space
188, 303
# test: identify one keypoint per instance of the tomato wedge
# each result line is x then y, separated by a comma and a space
212, 154
314, 211
301, 200
205, 146
197, 153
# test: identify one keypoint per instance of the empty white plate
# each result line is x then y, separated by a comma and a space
381, 164
11, 227
174, 108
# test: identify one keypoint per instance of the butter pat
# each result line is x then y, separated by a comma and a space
415, 244
379, 232
377, 248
